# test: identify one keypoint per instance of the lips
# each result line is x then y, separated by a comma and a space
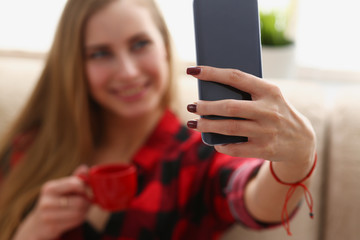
131, 92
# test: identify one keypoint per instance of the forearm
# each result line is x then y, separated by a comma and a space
27, 231
265, 197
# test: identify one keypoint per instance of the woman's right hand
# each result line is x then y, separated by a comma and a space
62, 206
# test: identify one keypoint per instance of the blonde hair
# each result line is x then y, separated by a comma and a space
61, 112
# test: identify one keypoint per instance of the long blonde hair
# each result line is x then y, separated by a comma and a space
61, 112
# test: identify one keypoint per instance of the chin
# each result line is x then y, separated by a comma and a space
142, 111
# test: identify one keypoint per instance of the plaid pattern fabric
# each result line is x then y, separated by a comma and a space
182, 190
14, 154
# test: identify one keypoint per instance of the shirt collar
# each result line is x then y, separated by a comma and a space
161, 138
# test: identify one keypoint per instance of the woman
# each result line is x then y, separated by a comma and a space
104, 96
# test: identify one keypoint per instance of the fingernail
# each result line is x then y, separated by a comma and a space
191, 108
192, 124
193, 70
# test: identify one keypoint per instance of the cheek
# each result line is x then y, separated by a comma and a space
165, 71
159, 67
96, 75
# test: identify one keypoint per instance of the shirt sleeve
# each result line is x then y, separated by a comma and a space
228, 177
235, 193
235, 196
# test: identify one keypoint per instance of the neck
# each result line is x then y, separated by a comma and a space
124, 136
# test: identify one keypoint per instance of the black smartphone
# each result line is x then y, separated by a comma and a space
227, 35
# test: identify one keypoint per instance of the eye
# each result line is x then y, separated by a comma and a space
99, 54
140, 44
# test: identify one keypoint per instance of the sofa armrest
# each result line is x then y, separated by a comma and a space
343, 179
17, 79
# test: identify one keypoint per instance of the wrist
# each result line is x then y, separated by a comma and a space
26, 230
294, 171
290, 192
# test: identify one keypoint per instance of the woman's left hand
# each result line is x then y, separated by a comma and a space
275, 130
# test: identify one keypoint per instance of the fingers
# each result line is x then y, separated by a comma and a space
55, 217
228, 108
250, 149
61, 206
65, 186
231, 127
63, 195
272, 126
63, 203
246, 149
232, 77
82, 169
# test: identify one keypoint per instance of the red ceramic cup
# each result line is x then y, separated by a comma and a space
113, 185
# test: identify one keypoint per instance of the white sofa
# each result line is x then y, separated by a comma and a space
336, 188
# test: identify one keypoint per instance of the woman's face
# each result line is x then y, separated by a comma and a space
126, 59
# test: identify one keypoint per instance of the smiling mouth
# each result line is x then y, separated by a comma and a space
132, 93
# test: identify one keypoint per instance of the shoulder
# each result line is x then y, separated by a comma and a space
20, 145
22, 141
15, 151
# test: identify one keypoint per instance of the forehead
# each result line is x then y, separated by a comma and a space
119, 20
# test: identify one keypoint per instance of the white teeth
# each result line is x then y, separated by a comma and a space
130, 92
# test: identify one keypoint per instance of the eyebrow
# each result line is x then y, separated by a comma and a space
138, 36
96, 46
131, 40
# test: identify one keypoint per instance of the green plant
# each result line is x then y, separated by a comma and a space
273, 28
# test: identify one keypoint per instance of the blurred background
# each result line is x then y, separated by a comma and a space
324, 34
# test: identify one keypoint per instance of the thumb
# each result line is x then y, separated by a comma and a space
82, 169
81, 173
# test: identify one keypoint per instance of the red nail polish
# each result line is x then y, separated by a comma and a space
191, 108
192, 124
193, 70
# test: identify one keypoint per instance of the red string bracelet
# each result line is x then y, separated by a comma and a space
293, 186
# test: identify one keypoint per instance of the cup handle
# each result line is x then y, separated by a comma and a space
85, 178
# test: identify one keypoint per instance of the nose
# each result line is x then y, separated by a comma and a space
126, 67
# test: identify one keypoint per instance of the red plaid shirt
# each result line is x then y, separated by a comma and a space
186, 190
